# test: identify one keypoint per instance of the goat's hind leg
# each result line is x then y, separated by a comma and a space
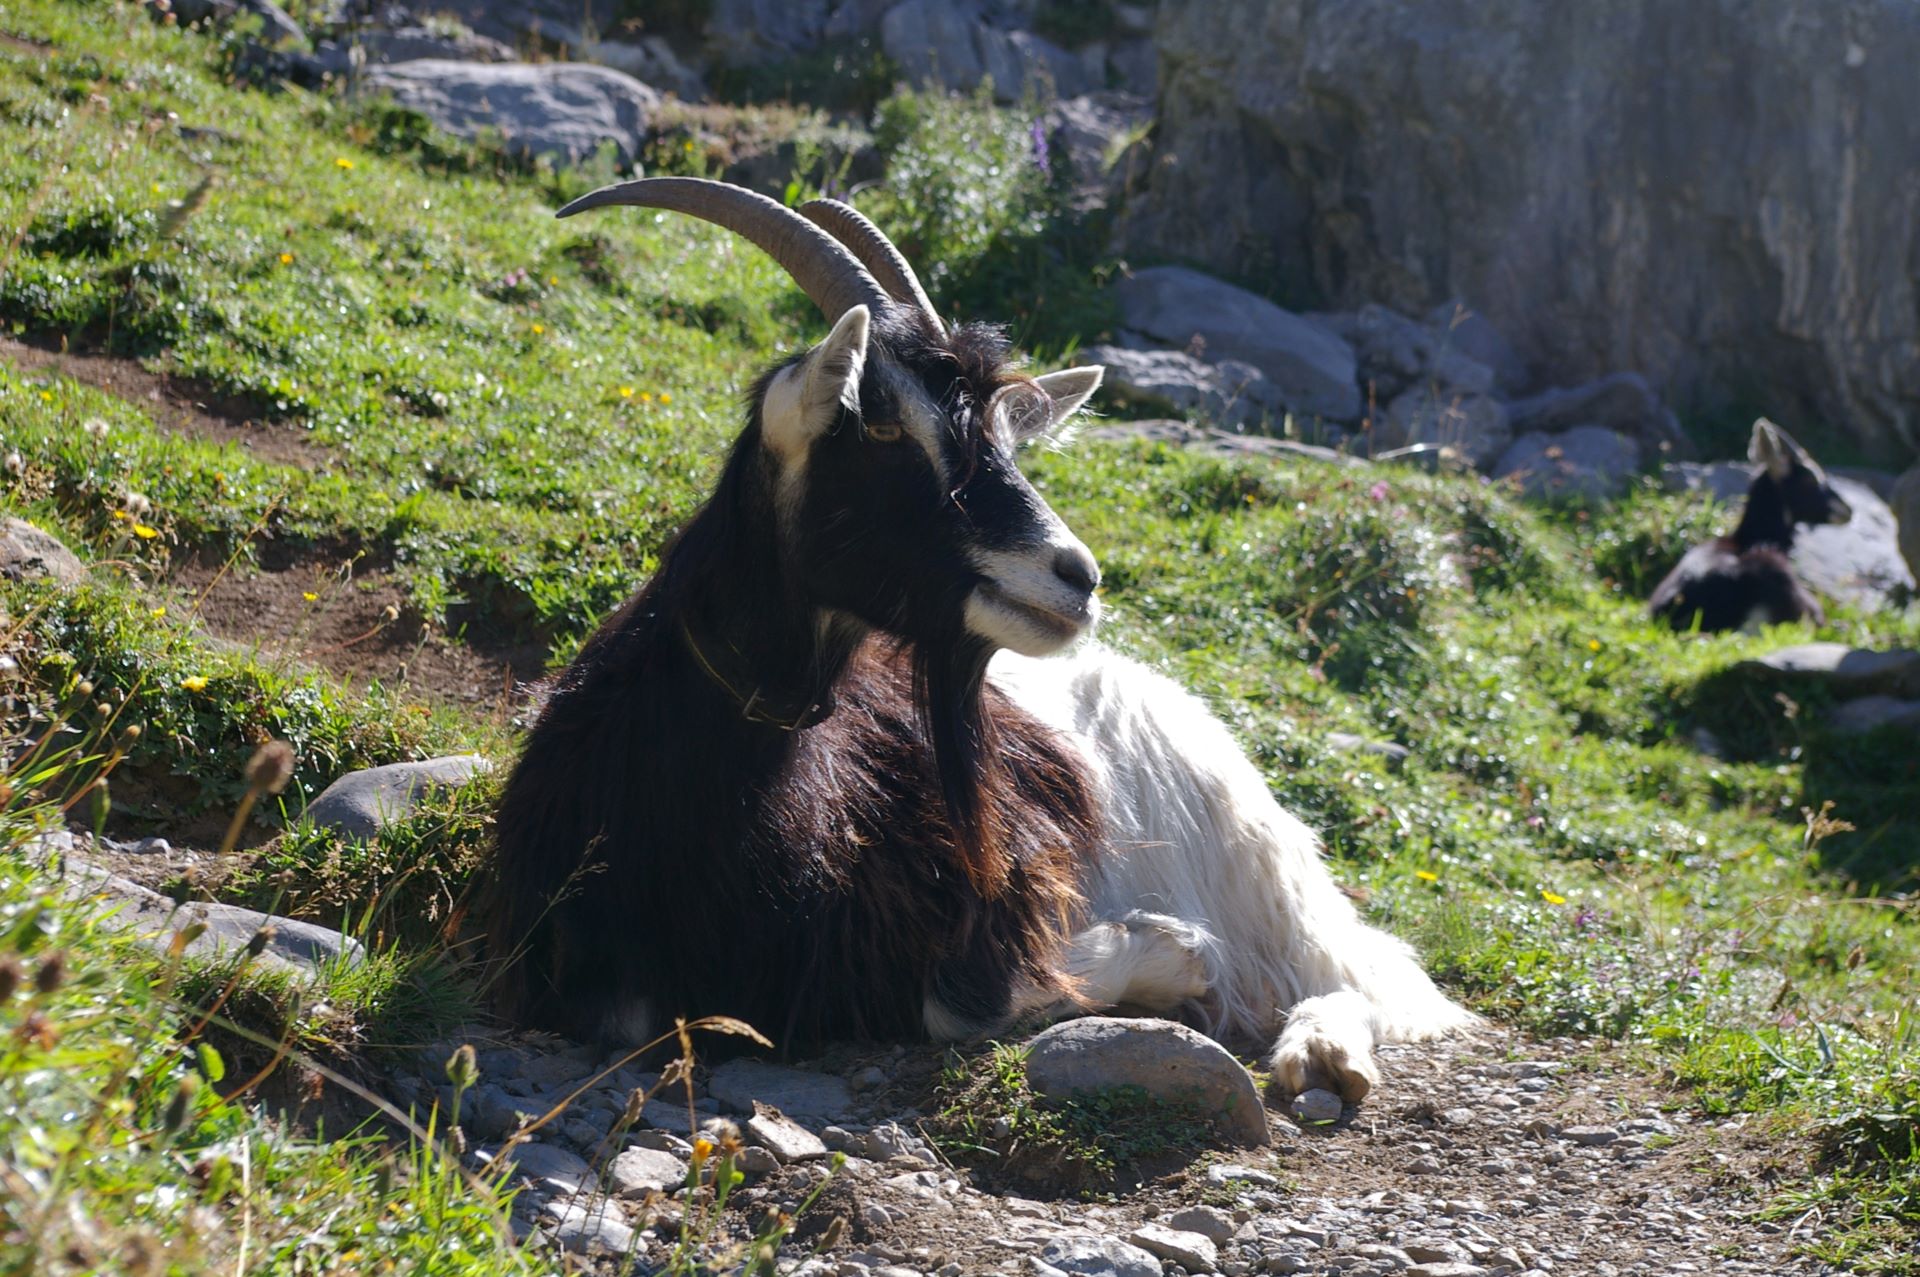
1143, 961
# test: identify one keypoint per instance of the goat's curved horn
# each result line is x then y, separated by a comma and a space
876, 252
823, 267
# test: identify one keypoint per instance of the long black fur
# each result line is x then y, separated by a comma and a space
926, 838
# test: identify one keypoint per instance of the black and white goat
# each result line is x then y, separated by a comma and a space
791, 780
1746, 578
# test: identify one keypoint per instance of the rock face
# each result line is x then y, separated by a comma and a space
1164, 1059
1717, 194
564, 110
361, 804
1312, 368
27, 553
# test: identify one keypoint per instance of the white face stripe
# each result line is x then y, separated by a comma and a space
919, 417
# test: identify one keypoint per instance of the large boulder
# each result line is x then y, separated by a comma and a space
1476, 426
1166, 1060
1313, 368
1718, 194
1229, 392
562, 110
1587, 461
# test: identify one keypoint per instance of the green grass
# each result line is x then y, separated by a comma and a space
512, 414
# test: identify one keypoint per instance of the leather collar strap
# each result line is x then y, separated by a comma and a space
787, 714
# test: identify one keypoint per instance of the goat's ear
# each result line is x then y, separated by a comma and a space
1070, 388
1770, 447
806, 398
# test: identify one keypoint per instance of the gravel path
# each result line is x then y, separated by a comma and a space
1485, 1155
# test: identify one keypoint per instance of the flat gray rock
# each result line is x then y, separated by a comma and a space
1850, 671
302, 947
595, 1228
1209, 1221
1164, 1059
635, 1172
785, 1138
799, 1093
28, 554
1192, 1251
1313, 369
1098, 1257
550, 1162
1587, 461
563, 110
360, 804
1622, 402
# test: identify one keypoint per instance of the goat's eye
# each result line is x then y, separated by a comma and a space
883, 431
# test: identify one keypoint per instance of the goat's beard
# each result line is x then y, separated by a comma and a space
950, 690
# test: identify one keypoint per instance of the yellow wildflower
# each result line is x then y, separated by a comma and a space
341, 161
1593, 645
1426, 875
286, 259
121, 515
538, 329
646, 396
144, 532
702, 1150
1551, 897
157, 613
309, 595
194, 683
665, 397
626, 392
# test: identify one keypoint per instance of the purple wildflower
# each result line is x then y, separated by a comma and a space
1042, 156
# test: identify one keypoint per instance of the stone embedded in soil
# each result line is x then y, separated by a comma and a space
1209, 1221
1098, 1257
1449, 1269
1223, 1175
785, 1138
360, 804
1167, 1060
1315, 1107
638, 1171
550, 1162
1850, 671
1590, 1136
591, 1228
798, 1093
1192, 1251
28, 554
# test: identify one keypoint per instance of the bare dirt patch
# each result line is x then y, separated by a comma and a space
355, 621
180, 405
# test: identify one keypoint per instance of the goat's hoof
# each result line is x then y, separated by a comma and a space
1325, 1064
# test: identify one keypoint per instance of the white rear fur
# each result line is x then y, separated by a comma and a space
1196, 836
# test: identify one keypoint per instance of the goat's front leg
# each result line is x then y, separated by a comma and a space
1327, 1045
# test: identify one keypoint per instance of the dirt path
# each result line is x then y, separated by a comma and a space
1483, 1156
178, 405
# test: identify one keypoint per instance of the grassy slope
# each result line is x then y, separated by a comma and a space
514, 413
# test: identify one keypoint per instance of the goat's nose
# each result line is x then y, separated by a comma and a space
1076, 567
